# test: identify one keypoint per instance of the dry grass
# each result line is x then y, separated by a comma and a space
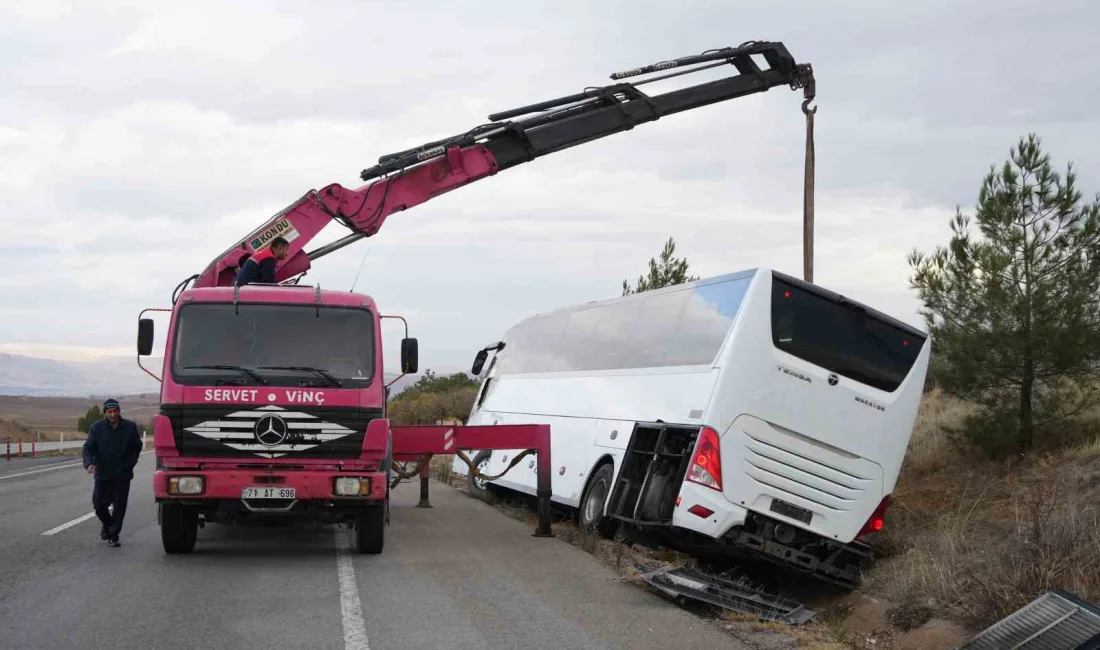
972, 541
57, 414
13, 430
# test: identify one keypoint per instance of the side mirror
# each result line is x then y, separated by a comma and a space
479, 362
145, 337
409, 356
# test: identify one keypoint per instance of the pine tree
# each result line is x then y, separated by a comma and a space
92, 415
668, 272
1014, 312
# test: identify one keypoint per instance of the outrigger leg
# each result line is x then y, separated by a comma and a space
424, 503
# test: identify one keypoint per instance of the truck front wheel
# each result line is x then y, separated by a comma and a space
179, 528
370, 530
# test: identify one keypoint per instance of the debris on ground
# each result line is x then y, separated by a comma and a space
685, 583
1057, 620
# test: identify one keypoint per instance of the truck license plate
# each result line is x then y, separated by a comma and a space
268, 493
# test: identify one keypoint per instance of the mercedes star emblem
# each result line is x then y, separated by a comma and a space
833, 379
270, 430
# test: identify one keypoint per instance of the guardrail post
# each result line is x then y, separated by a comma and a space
34, 449
8, 452
20, 446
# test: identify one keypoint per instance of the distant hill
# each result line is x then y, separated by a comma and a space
22, 375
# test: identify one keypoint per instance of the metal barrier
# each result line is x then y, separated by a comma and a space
421, 442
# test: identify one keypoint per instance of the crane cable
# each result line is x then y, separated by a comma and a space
808, 196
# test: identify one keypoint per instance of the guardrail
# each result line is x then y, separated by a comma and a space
34, 446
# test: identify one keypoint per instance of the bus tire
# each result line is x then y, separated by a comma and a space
479, 489
590, 514
179, 528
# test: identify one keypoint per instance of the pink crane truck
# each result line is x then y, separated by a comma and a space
273, 401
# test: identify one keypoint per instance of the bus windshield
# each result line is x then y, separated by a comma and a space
282, 345
842, 336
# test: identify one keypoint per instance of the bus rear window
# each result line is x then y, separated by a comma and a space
842, 337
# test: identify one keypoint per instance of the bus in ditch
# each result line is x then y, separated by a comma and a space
751, 413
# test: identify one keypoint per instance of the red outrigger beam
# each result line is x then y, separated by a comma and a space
421, 442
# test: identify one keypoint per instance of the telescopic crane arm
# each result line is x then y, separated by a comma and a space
408, 178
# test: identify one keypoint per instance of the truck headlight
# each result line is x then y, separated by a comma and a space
351, 486
185, 485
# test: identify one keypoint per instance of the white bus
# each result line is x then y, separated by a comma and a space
750, 413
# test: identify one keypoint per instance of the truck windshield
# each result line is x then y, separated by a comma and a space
841, 336
283, 345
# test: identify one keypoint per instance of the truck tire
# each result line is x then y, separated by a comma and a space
179, 528
369, 534
590, 514
479, 489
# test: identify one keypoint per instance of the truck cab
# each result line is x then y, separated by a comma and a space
272, 412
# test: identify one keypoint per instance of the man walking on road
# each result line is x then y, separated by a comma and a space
110, 454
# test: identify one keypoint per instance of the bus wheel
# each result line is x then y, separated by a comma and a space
590, 514
479, 488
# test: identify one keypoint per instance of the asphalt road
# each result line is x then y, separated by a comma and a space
458, 575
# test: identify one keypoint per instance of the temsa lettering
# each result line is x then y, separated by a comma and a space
302, 396
230, 395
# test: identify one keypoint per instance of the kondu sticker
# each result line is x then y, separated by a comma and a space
281, 228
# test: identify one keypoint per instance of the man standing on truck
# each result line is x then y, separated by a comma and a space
261, 266
110, 454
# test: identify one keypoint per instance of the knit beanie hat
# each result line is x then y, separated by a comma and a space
111, 404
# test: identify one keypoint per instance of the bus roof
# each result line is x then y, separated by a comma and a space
652, 292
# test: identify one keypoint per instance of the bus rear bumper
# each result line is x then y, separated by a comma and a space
705, 511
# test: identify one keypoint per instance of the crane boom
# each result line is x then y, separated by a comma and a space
408, 178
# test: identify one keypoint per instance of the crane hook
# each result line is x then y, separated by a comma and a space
806, 105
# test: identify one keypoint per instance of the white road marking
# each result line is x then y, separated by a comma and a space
44, 469
70, 524
355, 630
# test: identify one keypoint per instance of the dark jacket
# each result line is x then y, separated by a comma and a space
258, 268
114, 452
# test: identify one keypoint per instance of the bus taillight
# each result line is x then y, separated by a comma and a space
877, 519
706, 466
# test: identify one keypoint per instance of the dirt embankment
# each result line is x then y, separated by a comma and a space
970, 540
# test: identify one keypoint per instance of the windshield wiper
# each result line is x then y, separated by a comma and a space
240, 369
335, 382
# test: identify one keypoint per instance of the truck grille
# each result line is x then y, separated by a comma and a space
269, 431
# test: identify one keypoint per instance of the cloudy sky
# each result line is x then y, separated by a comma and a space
140, 139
